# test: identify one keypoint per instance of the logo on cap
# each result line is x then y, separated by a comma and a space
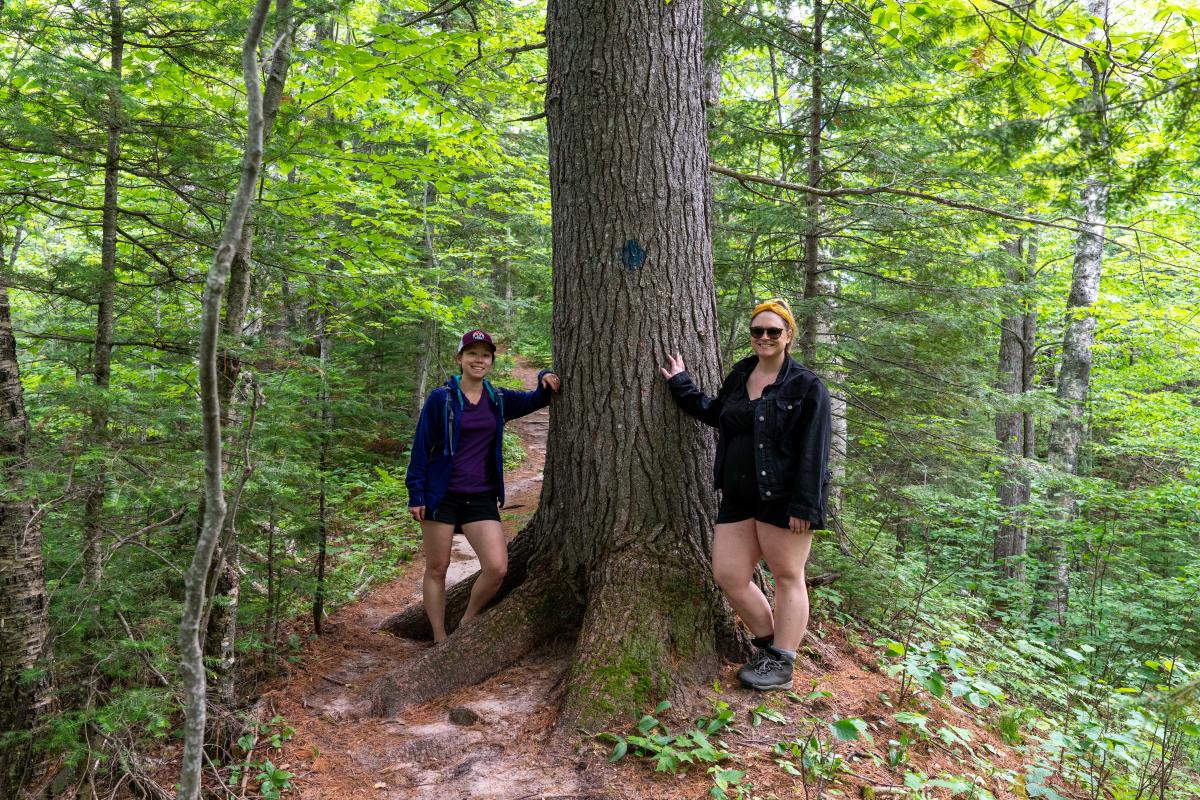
474, 337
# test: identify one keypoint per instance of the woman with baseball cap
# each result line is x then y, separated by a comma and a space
774, 423
455, 474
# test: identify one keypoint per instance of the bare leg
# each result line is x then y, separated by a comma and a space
786, 555
437, 537
487, 539
735, 554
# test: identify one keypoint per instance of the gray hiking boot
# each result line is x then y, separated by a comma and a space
760, 652
773, 671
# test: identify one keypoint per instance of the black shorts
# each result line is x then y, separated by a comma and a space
736, 509
460, 509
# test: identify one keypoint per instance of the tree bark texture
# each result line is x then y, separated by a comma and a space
93, 511
620, 543
1016, 346
627, 507
195, 580
24, 626
1069, 429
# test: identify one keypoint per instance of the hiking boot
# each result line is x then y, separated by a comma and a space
760, 652
773, 671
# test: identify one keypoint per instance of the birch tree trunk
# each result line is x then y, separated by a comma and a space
619, 547
1068, 431
24, 627
93, 510
195, 580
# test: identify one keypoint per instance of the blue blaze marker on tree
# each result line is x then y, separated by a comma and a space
633, 255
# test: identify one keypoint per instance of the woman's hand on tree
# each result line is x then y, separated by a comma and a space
551, 381
418, 513
797, 525
674, 366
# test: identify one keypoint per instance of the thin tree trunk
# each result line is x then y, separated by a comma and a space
428, 352
318, 609
1008, 548
739, 304
190, 642
24, 627
221, 633
820, 287
93, 511
1068, 431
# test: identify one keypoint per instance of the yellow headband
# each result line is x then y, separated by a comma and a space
772, 305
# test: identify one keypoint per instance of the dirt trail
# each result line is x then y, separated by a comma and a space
511, 751
423, 754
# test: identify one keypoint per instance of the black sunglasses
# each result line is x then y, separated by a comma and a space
771, 333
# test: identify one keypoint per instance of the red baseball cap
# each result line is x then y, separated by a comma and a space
473, 337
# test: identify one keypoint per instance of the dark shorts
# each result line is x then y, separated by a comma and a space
459, 509
736, 509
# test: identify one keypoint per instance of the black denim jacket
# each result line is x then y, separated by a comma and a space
791, 434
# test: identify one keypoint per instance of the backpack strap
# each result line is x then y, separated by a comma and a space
496, 397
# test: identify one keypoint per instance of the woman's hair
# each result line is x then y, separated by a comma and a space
778, 306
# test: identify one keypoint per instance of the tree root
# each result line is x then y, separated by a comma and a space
411, 623
649, 630
535, 612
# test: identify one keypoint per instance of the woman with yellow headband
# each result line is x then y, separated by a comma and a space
774, 423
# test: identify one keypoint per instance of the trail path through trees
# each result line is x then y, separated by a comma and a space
424, 754
506, 749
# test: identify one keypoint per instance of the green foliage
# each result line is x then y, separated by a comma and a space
404, 199
672, 752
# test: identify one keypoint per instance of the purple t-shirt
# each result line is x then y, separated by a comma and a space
473, 467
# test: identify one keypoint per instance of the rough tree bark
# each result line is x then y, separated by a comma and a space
1014, 427
1068, 431
24, 627
620, 541
93, 509
196, 578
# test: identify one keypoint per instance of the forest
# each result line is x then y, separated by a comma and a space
240, 242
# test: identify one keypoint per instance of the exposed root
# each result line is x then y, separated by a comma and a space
533, 613
411, 623
649, 630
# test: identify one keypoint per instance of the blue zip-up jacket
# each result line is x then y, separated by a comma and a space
431, 462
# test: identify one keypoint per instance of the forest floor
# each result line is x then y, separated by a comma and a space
511, 751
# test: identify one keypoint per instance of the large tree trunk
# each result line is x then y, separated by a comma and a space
24, 627
1068, 431
93, 510
1013, 426
621, 538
